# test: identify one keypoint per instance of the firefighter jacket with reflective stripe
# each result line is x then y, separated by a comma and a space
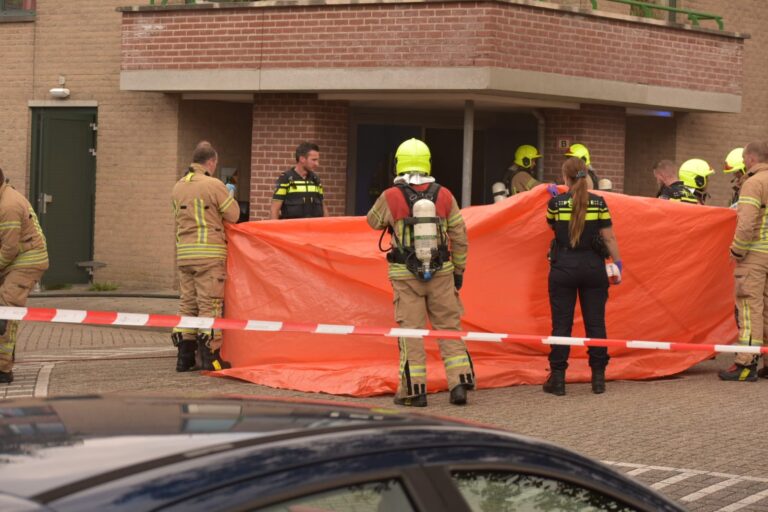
752, 225
391, 209
519, 180
201, 204
677, 192
302, 197
22, 243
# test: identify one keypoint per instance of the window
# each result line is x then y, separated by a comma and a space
487, 491
16, 7
384, 496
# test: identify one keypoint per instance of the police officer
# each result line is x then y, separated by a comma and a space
201, 204
581, 151
23, 260
734, 164
749, 250
583, 240
670, 186
519, 176
426, 268
298, 191
694, 174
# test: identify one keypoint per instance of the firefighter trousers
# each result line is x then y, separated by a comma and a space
751, 287
438, 301
579, 273
15, 287
201, 290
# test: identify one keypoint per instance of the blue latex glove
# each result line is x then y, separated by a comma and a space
458, 281
552, 189
618, 264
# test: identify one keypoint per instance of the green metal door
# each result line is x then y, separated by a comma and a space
62, 188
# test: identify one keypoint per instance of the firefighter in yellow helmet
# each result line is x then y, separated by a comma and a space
694, 174
734, 164
519, 176
749, 249
426, 268
581, 151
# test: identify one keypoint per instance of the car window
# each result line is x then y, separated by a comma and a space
382, 496
502, 491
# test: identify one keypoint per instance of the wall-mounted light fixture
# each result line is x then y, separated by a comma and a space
60, 92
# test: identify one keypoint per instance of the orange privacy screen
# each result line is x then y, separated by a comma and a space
677, 287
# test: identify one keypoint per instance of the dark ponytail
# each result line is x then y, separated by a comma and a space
576, 170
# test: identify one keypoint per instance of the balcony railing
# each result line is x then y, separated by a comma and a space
16, 7
646, 10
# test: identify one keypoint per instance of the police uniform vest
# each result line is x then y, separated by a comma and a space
403, 250
597, 216
677, 192
302, 197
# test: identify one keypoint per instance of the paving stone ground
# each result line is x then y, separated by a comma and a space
696, 439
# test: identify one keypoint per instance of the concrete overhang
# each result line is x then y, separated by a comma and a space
486, 81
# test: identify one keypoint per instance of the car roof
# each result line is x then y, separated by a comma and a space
50, 443
51, 450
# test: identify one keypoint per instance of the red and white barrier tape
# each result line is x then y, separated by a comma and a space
73, 316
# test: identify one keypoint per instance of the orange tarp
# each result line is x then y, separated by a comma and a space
677, 287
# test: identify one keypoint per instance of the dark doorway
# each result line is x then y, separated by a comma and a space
376, 146
447, 147
63, 186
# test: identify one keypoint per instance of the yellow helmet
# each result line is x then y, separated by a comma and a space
579, 151
694, 172
734, 162
525, 156
413, 156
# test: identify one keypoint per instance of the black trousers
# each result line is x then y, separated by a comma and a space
582, 273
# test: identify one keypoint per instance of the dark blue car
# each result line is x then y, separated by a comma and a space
142, 454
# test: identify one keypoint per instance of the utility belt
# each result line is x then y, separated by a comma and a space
598, 247
404, 257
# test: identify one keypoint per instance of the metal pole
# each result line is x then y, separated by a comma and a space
466, 170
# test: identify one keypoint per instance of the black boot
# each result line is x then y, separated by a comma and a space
598, 380
763, 372
740, 373
459, 394
210, 360
185, 358
555, 383
412, 401
6, 377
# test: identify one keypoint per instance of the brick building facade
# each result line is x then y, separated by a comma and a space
255, 78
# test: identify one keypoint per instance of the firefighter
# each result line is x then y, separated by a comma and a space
694, 174
734, 164
581, 151
670, 186
583, 240
298, 191
519, 176
427, 258
749, 250
201, 204
23, 261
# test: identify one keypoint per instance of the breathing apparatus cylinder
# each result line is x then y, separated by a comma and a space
499, 191
425, 237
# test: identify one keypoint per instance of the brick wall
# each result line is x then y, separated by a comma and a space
430, 34
137, 138
601, 128
712, 136
280, 123
15, 87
